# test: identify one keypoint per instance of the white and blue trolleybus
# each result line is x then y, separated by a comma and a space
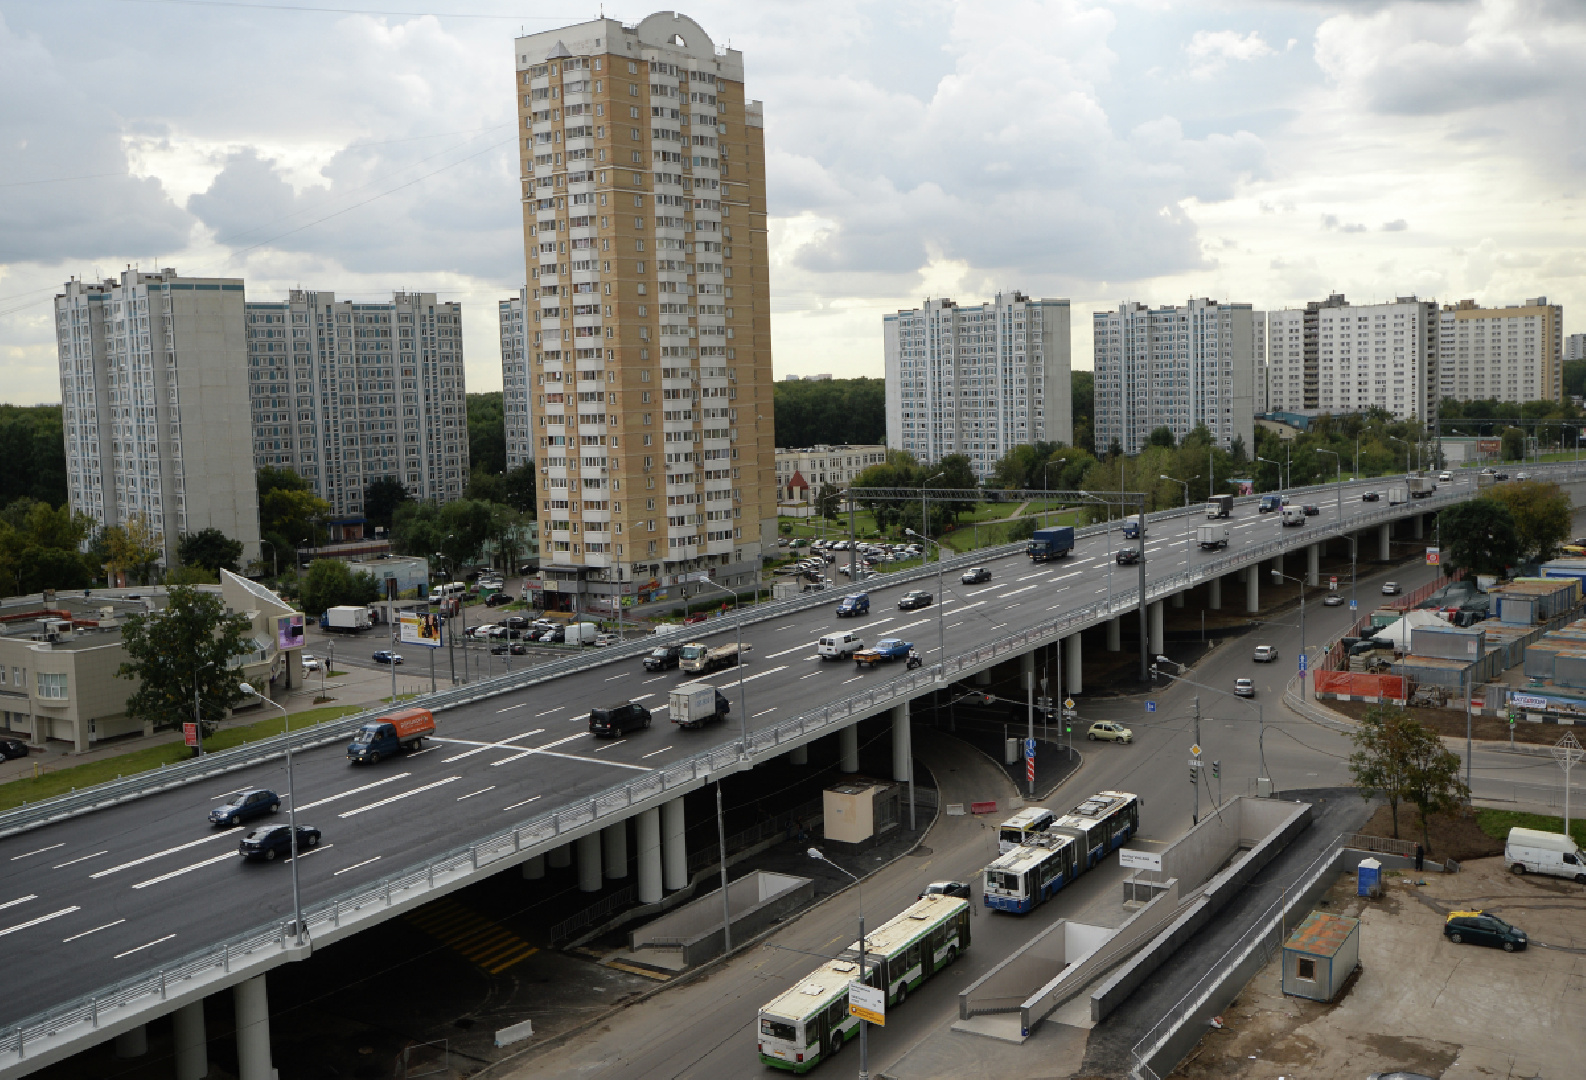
1029, 873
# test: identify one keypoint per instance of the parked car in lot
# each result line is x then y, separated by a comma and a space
1370, 496
1445, 477
1128, 556
1108, 731
960, 889
1245, 687
618, 719
1390, 588
13, 748
1333, 599
270, 842
1533, 851
975, 575
1479, 928
1265, 654
914, 600
386, 656
247, 805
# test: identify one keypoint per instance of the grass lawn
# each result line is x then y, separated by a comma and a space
59, 781
1497, 823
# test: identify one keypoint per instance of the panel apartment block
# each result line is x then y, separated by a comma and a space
514, 315
155, 405
649, 325
1177, 367
979, 380
1512, 353
346, 393
1332, 356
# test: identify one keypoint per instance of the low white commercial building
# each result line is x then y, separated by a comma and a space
800, 474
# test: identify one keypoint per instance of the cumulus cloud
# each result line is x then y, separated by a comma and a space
1397, 225
1211, 50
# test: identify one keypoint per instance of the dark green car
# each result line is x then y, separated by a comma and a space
1479, 928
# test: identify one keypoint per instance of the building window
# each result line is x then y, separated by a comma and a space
1305, 968
52, 686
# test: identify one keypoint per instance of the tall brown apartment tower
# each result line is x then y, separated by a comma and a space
648, 322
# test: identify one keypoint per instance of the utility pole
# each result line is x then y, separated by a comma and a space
1195, 773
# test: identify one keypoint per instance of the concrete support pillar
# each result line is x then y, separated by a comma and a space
1115, 634
614, 843
848, 749
1313, 564
1385, 542
589, 862
647, 831
1156, 642
1420, 526
1178, 600
560, 858
799, 755
1277, 563
252, 1003
1073, 673
902, 745
674, 847
132, 1044
1253, 589
1214, 593
1243, 574
983, 678
191, 1047
534, 868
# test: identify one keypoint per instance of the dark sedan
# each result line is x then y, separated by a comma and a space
270, 842
13, 748
246, 806
1311, 510
975, 575
1128, 556
1369, 496
914, 600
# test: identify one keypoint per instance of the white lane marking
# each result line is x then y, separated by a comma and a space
796, 648
186, 869
763, 712
652, 753
80, 858
311, 851
1026, 589
37, 851
811, 675
355, 866
140, 948
167, 851
953, 624
95, 930
856, 678
19, 900
394, 798
752, 678
226, 794
608, 746
40, 919
624, 675
641, 697
471, 794
353, 791
539, 749
646, 682
789, 626
504, 744
509, 708
665, 708
548, 712
1038, 573
515, 805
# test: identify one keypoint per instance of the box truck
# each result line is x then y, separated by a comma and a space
1211, 537
695, 703
1052, 543
700, 659
1220, 506
385, 736
1134, 527
1293, 515
1422, 486
345, 617
1398, 493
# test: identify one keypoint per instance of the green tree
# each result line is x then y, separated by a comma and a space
289, 511
829, 501
332, 583
1162, 436
1082, 389
381, 497
1574, 378
191, 575
487, 433
34, 450
1432, 780
40, 568
1542, 515
486, 487
465, 525
133, 548
186, 648
1381, 762
1479, 537
521, 489
209, 549
1513, 444
833, 411
416, 529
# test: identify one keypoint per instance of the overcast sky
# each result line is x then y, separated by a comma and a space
1102, 150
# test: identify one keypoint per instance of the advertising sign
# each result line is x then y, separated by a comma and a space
190, 734
1434, 557
1139, 860
289, 632
868, 1003
1332, 584
418, 628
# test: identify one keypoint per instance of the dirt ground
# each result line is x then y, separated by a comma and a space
1454, 836
1419, 1002
1451, 722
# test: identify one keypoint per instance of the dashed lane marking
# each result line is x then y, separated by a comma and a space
396, 798
145, 945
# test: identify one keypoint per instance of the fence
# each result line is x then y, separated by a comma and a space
1385, 844
1360, 686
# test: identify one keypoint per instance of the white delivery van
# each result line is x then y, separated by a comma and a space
1531, 851
1293, 515
839, 645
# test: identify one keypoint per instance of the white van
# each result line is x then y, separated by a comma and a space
1531, 851
838, 646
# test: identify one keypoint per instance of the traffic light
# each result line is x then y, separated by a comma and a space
1217, 767
1192, 775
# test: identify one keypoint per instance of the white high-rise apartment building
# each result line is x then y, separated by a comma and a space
978, 381
1258, 338
345, 393
155, 408
512, 315
1575, 347
1178, 367
1510, 353
1335, 357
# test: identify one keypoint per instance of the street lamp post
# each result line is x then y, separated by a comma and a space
1186, 484
925, 520
198, 717
1279, 576
941, 634
1401, 442
864, 1025
291, 818
743, 692
1046, 483
1339, 459
1279, 464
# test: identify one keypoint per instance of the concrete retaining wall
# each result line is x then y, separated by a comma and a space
755, 900
1005, 986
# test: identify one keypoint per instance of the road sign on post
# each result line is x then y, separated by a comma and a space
1068, 703
1434, 557
1302, 663
1029, 748
868, 1003
190, 734
1332, 584
1150, 706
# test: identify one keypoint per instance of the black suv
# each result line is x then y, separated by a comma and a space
662, 658
13, 748
1479, 928
914, 600
975, 576
1128, 556
245, 807
619, 719
1369, 496
269, 842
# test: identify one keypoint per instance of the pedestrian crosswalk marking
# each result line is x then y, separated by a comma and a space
487, 944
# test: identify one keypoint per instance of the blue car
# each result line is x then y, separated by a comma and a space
270, 842
854, 604
245, 807
386, 656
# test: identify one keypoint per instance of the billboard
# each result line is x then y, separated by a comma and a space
289, 632
419, 628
